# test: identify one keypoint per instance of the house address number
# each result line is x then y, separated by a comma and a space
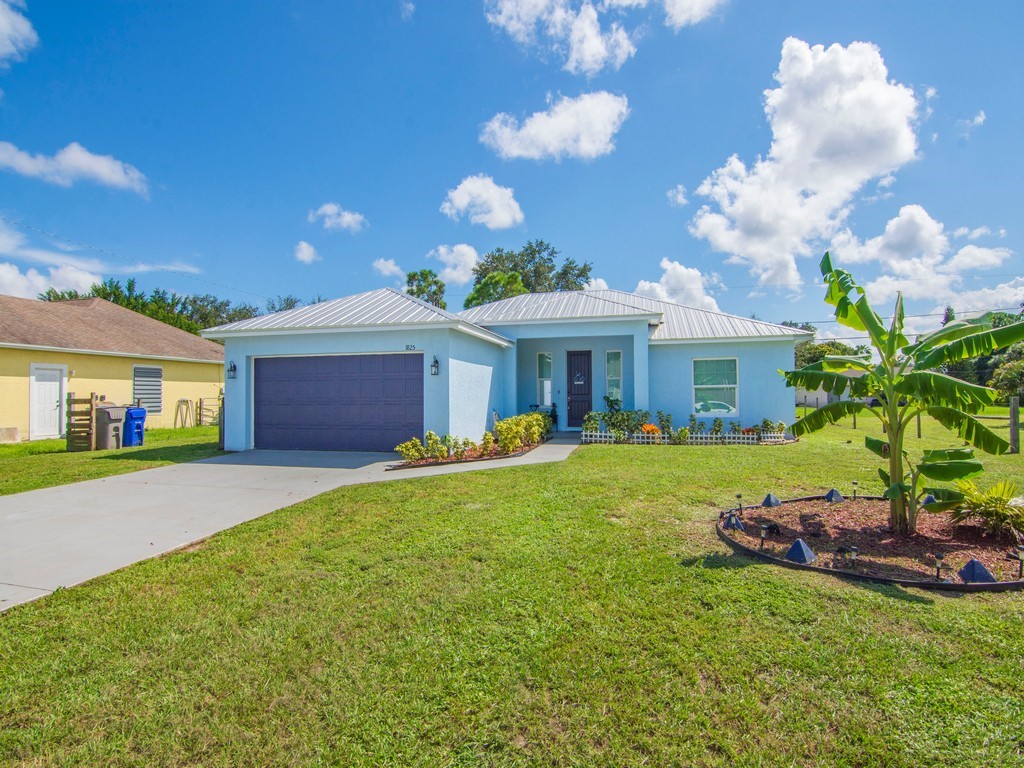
410, 347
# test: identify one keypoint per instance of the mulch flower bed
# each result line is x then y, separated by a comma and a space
475, 454
864, 523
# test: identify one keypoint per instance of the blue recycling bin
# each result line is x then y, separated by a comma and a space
134, 426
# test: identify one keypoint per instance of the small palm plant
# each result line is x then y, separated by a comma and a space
903, 383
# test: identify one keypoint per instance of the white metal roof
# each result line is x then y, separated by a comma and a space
681, 322
374, 309
675, 321
561, 305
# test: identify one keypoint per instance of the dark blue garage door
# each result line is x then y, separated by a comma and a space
338, 403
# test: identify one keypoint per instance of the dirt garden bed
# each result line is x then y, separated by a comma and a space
831, 529
473, 454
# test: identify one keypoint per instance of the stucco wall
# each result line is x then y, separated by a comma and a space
762, 391
105, 375
528, 349
238, 392
476, 384
629, 336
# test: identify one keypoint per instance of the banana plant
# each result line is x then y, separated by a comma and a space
901, 381
945, 465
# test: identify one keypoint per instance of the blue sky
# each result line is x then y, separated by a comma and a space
699, 150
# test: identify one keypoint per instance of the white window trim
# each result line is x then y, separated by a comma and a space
694, 386
161, 369
540, 381
33, 428
620, 377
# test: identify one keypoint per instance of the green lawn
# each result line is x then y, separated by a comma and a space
45, 463
582, 613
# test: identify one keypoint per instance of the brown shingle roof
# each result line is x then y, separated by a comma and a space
96, 325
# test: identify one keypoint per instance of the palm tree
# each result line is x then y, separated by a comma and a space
902, 384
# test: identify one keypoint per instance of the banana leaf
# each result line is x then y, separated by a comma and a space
840, 363
811, 377
949, 454
949, 332
885, 477
975, 345
877, 447
947, 471
896, 340
896, 490
827, 414
940, 389
970, 429
945, 499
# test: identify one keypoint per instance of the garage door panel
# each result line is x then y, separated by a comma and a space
339, 402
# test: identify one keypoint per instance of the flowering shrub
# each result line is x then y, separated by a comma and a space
412, 450
650, 429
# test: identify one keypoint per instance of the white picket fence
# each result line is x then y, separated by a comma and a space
703, 438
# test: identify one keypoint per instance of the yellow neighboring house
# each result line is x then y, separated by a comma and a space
50, 348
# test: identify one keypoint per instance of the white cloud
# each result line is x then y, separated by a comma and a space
837, 122
682, 285
583, 127
915, 256
486, 203
31, 283
458, 261
596, 284
17, 37
388, 268
977, 232
1005, 295
71, 164
408, 9
66, 264
336, 217
573, 33
683, 13
306, 253
590, 50
574, 30
967, 126
677, 196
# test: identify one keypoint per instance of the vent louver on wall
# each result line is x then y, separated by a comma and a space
147, 387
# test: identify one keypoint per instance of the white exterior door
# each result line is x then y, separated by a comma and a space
47, 401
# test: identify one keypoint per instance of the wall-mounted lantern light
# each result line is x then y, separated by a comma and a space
435, 367
231, 371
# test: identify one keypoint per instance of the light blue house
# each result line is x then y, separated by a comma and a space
367, 372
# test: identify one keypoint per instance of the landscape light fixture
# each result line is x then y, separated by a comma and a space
854, 490
938, 565
854, 551
1020, 562
764, 535
739, 503
435, 367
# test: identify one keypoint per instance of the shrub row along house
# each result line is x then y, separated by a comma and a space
369, 371
50, 348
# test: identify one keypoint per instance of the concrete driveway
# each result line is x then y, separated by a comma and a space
59, 537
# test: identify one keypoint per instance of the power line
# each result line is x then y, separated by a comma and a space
80, 244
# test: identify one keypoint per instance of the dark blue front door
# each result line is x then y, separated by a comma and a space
338, 402
579, 391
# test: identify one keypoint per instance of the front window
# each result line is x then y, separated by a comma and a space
715, 386
613, 375
544, 378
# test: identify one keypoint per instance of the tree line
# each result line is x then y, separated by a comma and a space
190, 313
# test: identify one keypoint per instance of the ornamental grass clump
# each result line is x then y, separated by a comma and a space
904, 383
998, 509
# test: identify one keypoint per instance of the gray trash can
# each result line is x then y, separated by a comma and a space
109, 426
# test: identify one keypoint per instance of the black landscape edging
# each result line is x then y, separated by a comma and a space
940, 586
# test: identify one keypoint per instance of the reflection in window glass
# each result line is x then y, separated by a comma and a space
613, 375
544, 378
715, 386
